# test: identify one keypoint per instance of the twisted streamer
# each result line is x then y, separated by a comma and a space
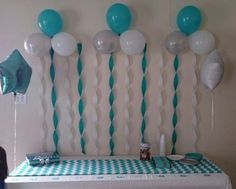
195, 102
71, 114
143, 90
96, 105
160, 99
42, 93
80, 103
54, 100
175, 103
127, 105
111, 102
15, 131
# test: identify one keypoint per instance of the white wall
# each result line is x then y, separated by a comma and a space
155, 18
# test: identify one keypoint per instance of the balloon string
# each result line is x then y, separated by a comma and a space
15, 132
212, 110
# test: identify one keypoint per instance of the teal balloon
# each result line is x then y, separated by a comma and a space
118, 18
15, 74
50, 22
189, 19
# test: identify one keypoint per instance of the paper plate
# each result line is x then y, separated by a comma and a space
175, 157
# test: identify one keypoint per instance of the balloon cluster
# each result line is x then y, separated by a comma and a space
201, 42
119, 19
50, 23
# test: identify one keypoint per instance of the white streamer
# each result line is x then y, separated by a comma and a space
127, 104
42, 91
212, 110
14, 150
96, 104
195, 102
71, 114
160, 99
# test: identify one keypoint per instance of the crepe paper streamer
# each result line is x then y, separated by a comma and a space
71, 114
15, 131
42, 93
54, 101
143, 90
175, 103
212, 110
160, 97
127, 104
111, 102
80, 103
195, 102
96, 105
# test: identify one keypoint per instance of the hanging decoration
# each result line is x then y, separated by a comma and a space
39, 45
176, 43
118, 18
53, 101
50, 22
189, 19
111, 103
202, 42
96, 83
64, 44
15, 74
161, 87
195, 103
143, 90
127, 104
81, 125
212, 70
107, 42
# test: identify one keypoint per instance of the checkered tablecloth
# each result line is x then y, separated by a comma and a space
112, 166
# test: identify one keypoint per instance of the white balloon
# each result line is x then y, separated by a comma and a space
64, 44
132, 42
202, 42
37, 44
106, 42
212, 70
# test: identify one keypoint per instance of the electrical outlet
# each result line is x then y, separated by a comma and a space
20, 99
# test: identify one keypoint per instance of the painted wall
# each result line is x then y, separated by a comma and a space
155, 18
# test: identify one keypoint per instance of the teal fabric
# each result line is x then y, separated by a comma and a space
81, 125
112, 166
54, 100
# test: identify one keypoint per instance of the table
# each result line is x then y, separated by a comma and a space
117, 173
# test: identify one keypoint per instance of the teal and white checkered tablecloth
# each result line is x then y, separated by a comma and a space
112, 166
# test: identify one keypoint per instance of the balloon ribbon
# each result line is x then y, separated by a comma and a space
54, 100
175, 103
80, 103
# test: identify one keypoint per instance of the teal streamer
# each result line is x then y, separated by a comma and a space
143, 91
175, 104
54, 100
81, 125
111, 102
